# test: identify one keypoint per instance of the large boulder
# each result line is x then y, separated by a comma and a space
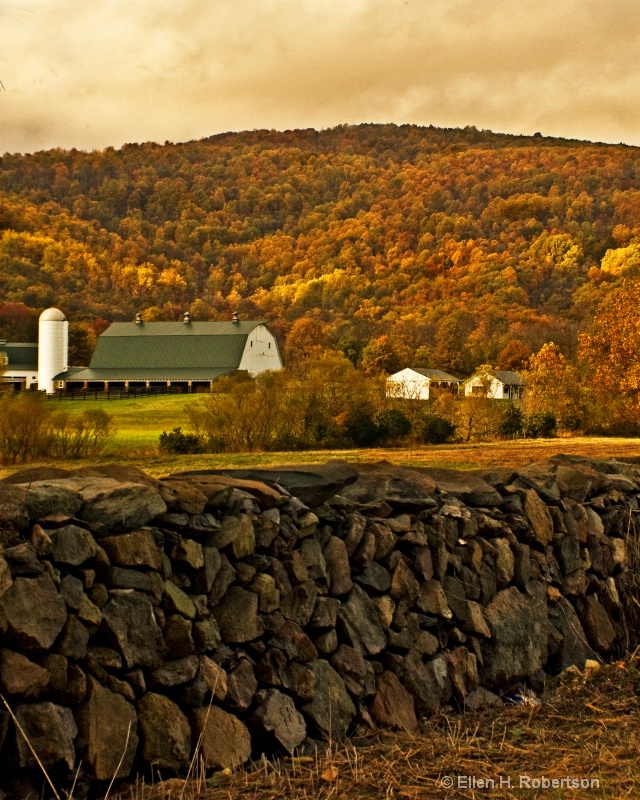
117, 506
470, 487
311, 483
385, 483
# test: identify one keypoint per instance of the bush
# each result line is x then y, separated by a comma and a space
30, 428
540, 424
393, 425
178, 443
361, 427
435, 429
512, 423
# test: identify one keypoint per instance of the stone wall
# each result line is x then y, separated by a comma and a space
251, 612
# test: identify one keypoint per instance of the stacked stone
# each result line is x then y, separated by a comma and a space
226, 615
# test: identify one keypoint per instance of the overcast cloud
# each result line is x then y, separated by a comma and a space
92, 73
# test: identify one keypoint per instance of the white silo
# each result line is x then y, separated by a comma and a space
53, 348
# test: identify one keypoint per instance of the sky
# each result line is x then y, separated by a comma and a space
96, 73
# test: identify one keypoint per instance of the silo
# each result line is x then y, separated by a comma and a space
53, 348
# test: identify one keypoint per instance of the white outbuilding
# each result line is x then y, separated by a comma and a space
496, 385
416, 383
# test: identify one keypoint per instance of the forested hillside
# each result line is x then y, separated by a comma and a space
450, 248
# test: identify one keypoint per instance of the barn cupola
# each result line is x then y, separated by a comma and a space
186, 318
235, 317
138, 318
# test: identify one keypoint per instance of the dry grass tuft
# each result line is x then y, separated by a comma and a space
588, 727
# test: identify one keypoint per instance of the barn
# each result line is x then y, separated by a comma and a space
186, 355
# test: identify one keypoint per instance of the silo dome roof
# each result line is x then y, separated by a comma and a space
52, 315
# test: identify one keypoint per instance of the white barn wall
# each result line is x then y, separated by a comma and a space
261, 352
408, 385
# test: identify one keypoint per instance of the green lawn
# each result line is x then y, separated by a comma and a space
139, 422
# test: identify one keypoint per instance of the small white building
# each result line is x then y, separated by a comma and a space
496, 385
416, 383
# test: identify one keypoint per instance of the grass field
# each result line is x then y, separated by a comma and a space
140, 422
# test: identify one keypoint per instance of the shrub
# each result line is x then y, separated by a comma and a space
30, 428
512, 423
393, 425
435, 429
361, 427
540, 424
80, 436
176, 442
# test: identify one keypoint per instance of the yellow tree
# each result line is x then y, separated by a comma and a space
552, 385
611, 353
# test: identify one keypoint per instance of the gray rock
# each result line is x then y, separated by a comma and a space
225, 741
175, 673
237, 616
375, 578
403, 487
331, 710
277, 722
325, 613
518, 625
33, 612
433, 600
359, 622
178, 602
73, 545
21, 677
108, 725
597, 623
539, 517
51, 497
50, 730
392, 706
241, 686
573, 647
427, 682
135, 549
470, 487
338, 568
164, 731
481, 699
130, 622
299, 603
356, 672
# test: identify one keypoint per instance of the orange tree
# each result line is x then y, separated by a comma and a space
611, 354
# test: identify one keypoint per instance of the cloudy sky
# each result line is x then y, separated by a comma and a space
93, 73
